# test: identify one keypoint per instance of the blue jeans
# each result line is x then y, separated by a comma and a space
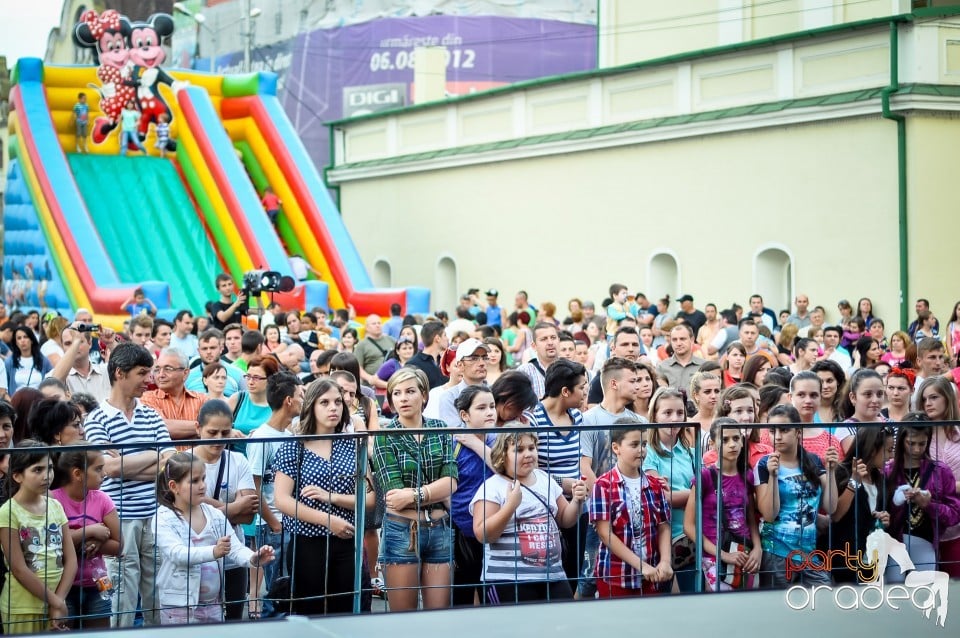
132, 138
434, 542
275, 568
85, 603
588, 583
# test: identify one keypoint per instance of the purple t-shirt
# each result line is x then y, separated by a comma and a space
735, 495
90, 511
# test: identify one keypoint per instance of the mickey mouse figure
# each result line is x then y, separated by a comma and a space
107, 35
147, 54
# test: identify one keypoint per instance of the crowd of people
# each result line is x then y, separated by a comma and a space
807, 435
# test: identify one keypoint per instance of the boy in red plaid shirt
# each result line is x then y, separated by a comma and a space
631, 514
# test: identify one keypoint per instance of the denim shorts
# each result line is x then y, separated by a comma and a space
86, 602
434, 542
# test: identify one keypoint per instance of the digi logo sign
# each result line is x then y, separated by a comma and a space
363, 100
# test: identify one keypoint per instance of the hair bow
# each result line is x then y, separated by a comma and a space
99, 24
906, 373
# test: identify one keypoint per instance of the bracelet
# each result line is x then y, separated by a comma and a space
426, 490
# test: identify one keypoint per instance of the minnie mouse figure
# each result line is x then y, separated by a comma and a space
147, 54
107, 35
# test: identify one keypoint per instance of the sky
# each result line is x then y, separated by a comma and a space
24, 27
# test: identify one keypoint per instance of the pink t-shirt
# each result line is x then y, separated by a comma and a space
89, 511
270, 202
821, 443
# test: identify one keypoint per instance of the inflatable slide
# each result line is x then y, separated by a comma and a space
86, 229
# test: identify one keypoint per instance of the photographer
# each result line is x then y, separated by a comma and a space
75, 367
226, 310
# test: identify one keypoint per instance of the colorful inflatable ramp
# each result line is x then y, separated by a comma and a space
98, 225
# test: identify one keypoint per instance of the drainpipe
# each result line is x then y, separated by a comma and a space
901, 121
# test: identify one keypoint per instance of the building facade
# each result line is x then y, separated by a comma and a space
812, 162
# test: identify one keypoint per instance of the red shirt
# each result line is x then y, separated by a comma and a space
611, 502
270, 201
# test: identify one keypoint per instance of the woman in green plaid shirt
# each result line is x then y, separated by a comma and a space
418, 473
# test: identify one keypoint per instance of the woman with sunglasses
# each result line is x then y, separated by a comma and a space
249, 407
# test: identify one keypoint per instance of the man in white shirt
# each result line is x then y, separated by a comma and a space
817, 316
75, 368
759, 313
833, 350
930, 361
471, 360
301, 268
182, 339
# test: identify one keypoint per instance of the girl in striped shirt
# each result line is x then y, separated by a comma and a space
565, 389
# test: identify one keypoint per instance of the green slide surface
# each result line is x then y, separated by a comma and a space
147, 221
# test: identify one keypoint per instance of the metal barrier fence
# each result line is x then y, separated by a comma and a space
167, 569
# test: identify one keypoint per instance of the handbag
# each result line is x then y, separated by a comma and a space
280, 593
563, 542
733, 575
374, 520
683, 552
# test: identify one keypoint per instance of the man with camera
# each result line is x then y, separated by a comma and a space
227, 310
75, 367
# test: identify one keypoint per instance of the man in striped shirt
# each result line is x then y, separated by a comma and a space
546, 340
131, 477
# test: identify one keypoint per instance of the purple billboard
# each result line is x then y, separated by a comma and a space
368, 67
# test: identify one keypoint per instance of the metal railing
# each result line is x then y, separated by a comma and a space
36, 549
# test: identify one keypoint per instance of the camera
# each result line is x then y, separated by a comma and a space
258, 281
88, 327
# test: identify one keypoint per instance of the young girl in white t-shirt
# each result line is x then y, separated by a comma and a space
517, 515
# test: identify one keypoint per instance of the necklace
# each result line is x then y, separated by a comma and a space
916, 513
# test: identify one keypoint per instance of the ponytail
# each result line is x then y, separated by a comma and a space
175, 469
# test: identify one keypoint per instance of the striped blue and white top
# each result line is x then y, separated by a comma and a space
108, 425
559, 453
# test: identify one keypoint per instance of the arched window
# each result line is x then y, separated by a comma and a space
445, 288
382, 273
663, 276
773, 276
